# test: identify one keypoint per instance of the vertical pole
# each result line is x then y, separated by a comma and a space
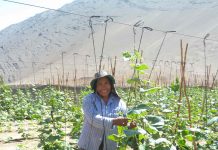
62, 60
87, 67
205, 79
75, 72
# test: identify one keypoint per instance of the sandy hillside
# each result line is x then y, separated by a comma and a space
32, 51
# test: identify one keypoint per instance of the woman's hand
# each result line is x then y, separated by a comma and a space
120, 121
132, 125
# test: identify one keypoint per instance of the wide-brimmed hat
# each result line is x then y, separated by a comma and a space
99, 75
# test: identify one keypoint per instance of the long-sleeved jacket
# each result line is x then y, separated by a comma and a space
98, 121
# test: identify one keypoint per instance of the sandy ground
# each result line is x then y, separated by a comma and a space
10, 139
23, 144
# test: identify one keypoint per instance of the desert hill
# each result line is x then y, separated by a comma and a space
51, 43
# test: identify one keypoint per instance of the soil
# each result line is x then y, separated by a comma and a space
10, 139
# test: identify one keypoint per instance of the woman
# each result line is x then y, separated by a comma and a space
103, 111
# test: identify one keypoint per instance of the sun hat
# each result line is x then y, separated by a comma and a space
99, 75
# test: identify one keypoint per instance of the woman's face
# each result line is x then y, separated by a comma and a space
103, 87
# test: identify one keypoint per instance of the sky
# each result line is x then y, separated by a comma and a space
11, 13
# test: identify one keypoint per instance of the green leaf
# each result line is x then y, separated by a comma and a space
114, 137
138, 109
133, 81
150, 129
155, 121
185, 132
149, 91
52, 138
190, 137
35, 116
47, 120
141, 131
175, 85
130, 133
133, 132
142, 137
137, 54
212, 121
127, 54
141, 67
181, 142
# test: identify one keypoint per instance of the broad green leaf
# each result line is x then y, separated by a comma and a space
138, 109
155, 121
130, 133
133, 132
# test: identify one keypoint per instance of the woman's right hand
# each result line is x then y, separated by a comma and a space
120, 121
132, 125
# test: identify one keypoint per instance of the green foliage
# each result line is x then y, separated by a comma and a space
6, 98
51, 132
154, 110
175, 85
59, 116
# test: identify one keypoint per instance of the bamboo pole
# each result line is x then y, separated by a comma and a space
214, 78
183, 84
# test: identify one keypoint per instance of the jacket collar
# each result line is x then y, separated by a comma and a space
111, 98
